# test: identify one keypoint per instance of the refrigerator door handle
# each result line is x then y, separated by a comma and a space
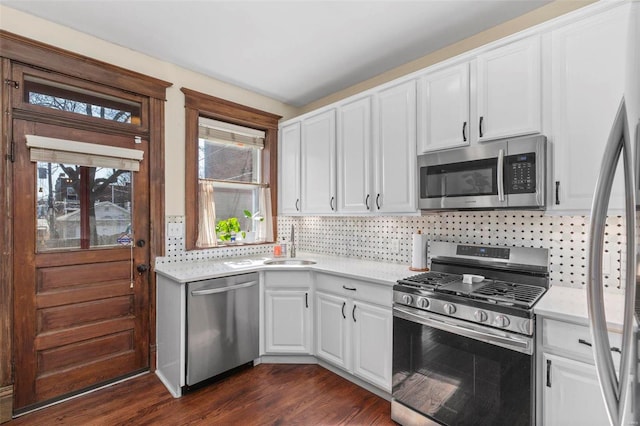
614, 390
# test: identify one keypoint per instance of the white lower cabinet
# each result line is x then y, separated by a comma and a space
354, 334
287, 313
332, 329
571, 393
567, 382
373, 328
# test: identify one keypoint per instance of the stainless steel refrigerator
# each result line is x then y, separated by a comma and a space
620, 390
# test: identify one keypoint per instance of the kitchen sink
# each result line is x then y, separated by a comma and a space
289, 262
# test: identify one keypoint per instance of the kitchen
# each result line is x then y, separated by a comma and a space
562, 228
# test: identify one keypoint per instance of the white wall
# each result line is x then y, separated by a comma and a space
63, 37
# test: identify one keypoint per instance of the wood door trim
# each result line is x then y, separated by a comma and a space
33, 52
6, 247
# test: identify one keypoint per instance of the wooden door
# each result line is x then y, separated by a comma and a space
80, 305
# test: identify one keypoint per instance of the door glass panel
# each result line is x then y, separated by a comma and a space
65, 220
67, 98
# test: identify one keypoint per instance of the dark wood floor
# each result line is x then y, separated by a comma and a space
268, 394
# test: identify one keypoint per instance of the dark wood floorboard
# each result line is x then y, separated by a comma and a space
268, 394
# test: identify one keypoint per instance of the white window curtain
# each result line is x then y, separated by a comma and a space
52, 150
264, 232
207, 220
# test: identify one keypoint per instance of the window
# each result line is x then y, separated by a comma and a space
230, 171
230, 160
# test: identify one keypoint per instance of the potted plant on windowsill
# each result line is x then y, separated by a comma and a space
227, 230
250, 236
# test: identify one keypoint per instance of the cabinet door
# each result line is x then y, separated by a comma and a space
332, 328
289, 168
588, 72
287, 322
443, 109
395, 149
318, 163
509, 90
372, 331
571, 394
354, 157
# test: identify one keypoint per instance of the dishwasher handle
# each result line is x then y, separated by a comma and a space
223, 289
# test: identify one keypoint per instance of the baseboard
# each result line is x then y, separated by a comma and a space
6, 403
287, 359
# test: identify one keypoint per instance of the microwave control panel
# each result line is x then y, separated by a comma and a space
520, 173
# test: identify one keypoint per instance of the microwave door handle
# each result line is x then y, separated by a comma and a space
501, 175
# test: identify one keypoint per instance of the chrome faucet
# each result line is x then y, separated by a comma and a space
292, 250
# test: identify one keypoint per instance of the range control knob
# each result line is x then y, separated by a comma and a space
502, 321
423, 302
407, 299
449, 308
480, 316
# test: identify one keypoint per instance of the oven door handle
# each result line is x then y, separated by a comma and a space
505, 340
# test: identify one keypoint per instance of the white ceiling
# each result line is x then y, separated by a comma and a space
292, 51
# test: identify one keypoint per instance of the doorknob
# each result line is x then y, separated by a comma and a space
142, 268
141, 243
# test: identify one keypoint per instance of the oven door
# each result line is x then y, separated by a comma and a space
457, 373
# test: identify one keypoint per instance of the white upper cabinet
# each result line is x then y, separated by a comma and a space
354, 157
289, 169
443, 109
318, 165
394, 152
589, 65
509, 90
497, 94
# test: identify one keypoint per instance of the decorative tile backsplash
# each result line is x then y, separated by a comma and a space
373, 238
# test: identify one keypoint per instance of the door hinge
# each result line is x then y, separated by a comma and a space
11, 156
12, 83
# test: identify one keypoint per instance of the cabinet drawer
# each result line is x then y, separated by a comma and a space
573, 340
356, 289
289, 279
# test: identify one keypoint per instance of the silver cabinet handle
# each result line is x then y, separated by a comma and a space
500, 175
464, 131
343, 305
366, 201
480, 125
614, 389
297, 202
349, 288
222, 289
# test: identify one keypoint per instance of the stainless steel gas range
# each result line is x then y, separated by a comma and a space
463, 336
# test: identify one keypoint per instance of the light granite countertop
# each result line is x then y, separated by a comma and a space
570, 304
372, 271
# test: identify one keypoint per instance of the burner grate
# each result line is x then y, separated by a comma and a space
517, 294
430, 279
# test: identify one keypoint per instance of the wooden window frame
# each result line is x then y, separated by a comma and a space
200, 105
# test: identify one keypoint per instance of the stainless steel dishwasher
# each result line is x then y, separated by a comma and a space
222, 325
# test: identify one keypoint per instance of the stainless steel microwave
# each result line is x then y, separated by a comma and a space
508, 174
